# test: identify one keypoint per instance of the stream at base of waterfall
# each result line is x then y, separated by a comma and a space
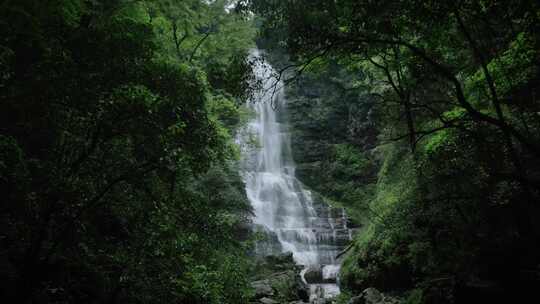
287, 213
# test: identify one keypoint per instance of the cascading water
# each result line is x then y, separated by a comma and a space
283, 208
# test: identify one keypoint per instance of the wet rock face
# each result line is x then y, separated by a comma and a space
262, 288
285, 258
268, 301
290, 216
321, 274
313, 274
279, 278
286, 284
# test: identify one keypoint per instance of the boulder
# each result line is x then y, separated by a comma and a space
313, 274
282, 258
317, 274
301, 288
372, 296
391, 300
279, 274
293, 281
282, 276
268, 301
262, 288
357, 300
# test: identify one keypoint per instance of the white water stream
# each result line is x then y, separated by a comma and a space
283, 208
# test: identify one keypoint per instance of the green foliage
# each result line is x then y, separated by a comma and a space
285, 291
514, 68
352, 160
436, 141
117, 160
450, 111
381, 246
414, 297
12, 164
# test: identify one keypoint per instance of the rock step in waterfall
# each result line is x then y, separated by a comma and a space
292, 219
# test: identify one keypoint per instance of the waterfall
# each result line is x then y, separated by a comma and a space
284, 210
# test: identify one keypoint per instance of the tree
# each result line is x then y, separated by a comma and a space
110, 150
456, 81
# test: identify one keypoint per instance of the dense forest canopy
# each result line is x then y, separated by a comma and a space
119, 170
445, 92
117, 161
